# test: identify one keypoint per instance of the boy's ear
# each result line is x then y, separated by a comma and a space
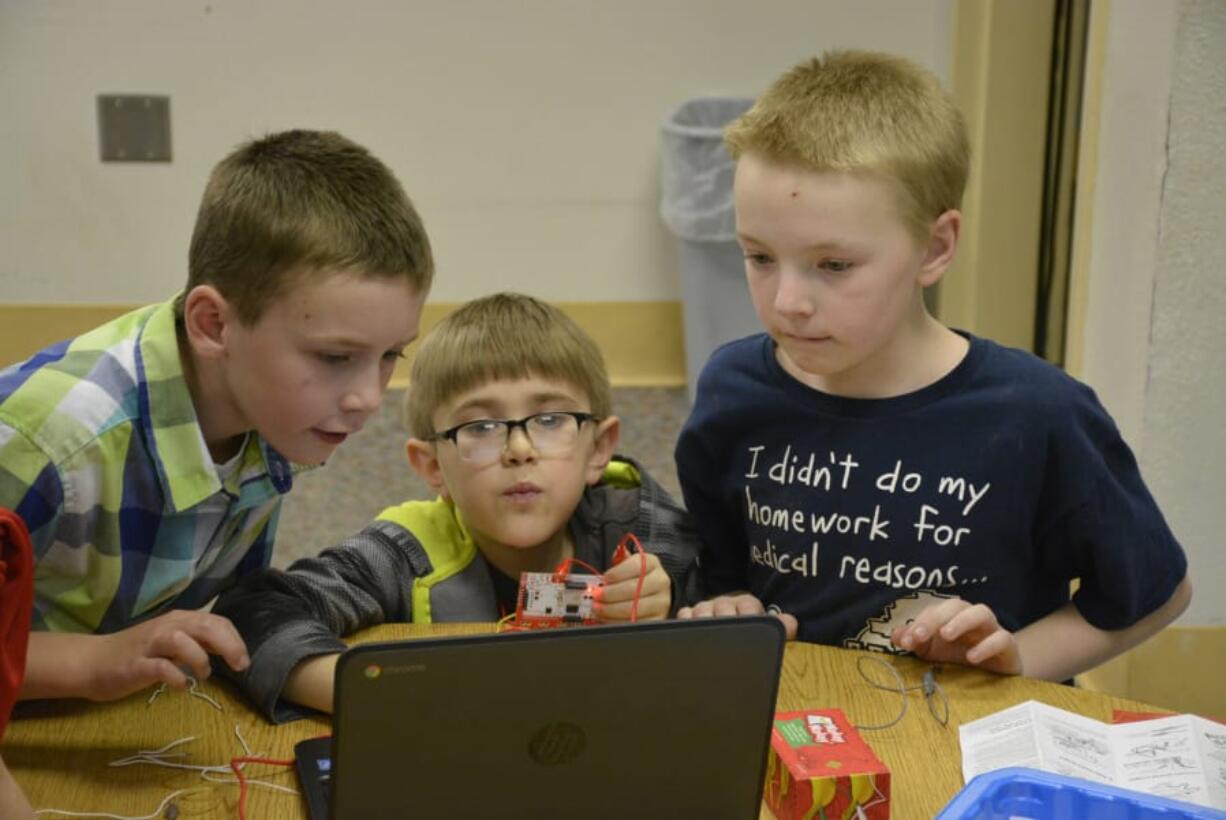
206, 317
608, 433
424, 461
942, 245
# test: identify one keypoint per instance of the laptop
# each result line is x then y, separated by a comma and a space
664, 719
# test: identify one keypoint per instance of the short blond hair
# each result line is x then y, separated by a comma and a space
859, 111
301, 201
503, 336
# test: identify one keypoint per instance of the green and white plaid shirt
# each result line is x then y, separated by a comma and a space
101, 454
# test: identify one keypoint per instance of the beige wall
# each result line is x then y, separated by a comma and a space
1148, 307
1153, 333
1002, 52
1184, 443
526, 130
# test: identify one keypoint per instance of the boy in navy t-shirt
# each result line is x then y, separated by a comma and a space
880, 480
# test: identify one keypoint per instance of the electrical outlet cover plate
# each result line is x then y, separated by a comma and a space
134, 128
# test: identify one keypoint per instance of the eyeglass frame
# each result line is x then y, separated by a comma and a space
451, 433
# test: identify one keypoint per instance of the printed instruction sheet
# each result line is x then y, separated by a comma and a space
1182, 757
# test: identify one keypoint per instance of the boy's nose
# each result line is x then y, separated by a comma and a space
518, 448
364, 394
794, 295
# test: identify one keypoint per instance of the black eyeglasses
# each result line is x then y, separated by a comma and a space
552, 433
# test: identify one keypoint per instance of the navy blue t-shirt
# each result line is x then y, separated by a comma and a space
998, 484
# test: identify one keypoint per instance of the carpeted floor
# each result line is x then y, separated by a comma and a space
370, 472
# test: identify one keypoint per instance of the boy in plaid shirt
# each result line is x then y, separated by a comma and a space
148, 457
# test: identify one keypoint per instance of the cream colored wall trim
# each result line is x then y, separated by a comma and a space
1183, 669
959, 286
1180, 668
26, 329
1111, 677
642, 342
1002, 53
1087, 181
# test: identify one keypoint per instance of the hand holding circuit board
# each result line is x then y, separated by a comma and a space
635, 587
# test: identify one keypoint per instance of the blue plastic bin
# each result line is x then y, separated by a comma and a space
1029, 794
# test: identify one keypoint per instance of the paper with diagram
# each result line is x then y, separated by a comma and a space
1182, 757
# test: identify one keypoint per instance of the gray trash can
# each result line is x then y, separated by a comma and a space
696, 205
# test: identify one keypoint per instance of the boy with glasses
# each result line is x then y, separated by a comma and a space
509, 413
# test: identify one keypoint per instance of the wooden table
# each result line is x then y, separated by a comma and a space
60, 751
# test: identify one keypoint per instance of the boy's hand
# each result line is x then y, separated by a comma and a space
621, 580
13, 804
741, 603
159, 650
108, 667
956, 631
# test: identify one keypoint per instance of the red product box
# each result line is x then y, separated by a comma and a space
820, 768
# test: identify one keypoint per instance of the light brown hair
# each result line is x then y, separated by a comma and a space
302, 201
864, 112
503, 336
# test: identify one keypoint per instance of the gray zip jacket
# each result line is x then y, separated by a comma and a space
417, 564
